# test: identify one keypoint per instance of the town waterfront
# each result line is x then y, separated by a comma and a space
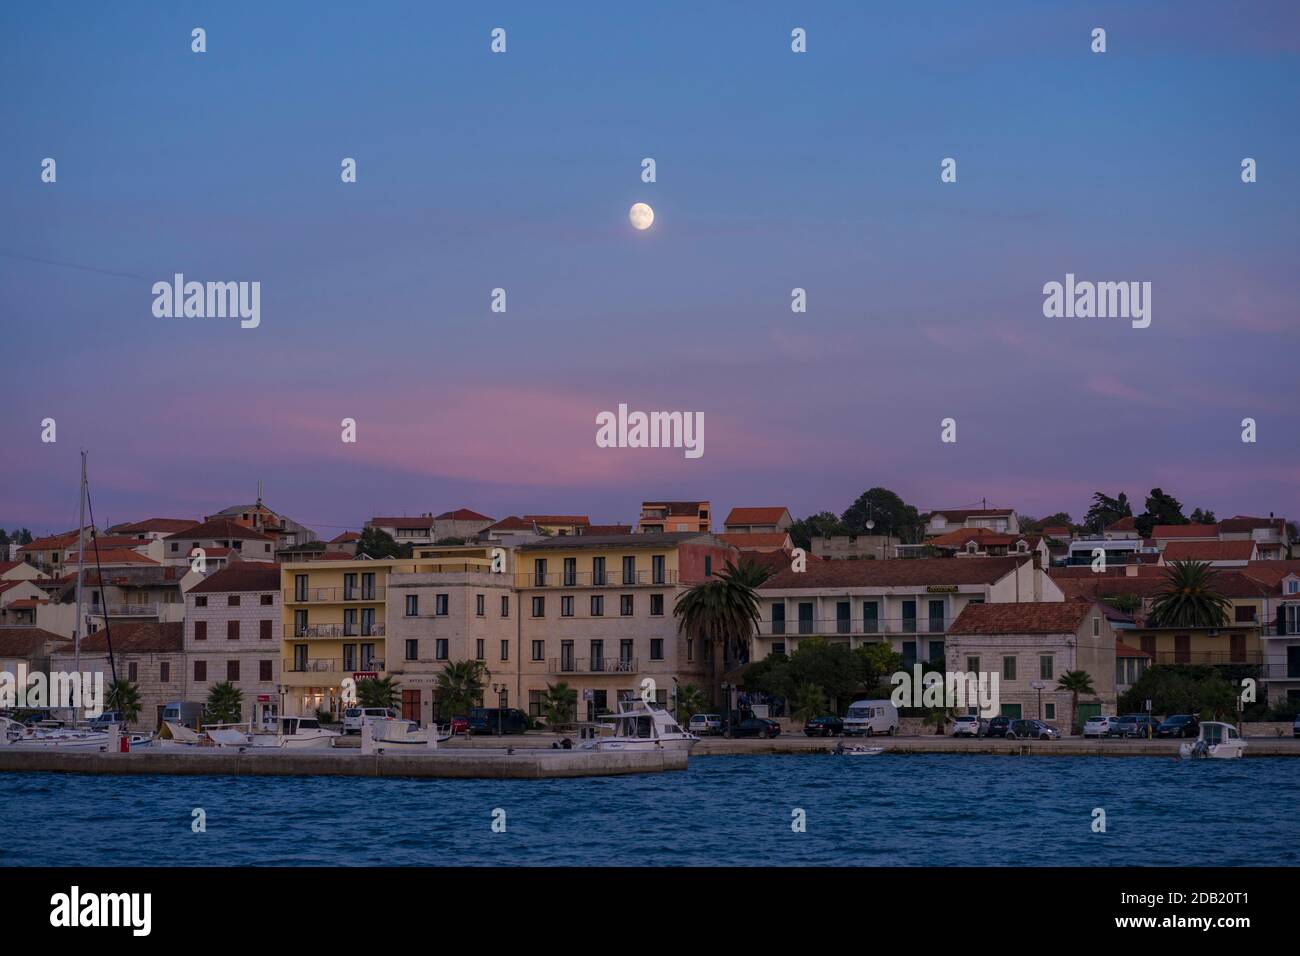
933, 810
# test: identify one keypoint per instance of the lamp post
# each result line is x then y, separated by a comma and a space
726, 703
1038, 686
497, 689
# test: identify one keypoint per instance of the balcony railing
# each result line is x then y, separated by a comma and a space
1207, 657
333, 595
590, 579
338, 630
336, 665
599, 665
130, 610
1286, 630
852, 626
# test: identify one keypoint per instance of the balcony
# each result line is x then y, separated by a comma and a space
338, 630
826, 626
333, 595
590, 579
129, 610
1207, 657
336, 667
599, 665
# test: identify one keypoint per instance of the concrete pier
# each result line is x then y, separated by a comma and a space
528, 764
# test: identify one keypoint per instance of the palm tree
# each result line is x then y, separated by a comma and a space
460, 687
690, 701
1127, 603
225, 704
559, 705
1189, 597
937, 717
1076, 682
723, 611
373, 692
123, 697
807, 702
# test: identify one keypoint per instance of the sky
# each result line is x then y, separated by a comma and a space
775, 170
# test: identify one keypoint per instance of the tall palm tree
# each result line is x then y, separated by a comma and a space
724, 611
123, 697
559, 705
690, 701
225, 703
460, 687
1076, 682
374, 692
1189, 597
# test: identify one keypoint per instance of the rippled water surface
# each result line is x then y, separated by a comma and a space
870, 811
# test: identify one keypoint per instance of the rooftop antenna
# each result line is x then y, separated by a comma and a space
259, 492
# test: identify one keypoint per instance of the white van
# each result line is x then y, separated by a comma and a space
867, 717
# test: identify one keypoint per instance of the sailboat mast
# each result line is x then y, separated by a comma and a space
81, 562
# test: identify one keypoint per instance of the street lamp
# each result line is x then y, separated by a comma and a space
497, 689
726, 702
1038, 686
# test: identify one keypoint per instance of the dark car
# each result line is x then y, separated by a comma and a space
1179, 725
999, 726
757, 727
1031, 730
828, 726
1136, 725
497, 720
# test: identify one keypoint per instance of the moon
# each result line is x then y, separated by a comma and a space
641, 216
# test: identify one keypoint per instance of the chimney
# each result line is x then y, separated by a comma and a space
1130, 570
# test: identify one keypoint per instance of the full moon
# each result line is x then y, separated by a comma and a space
641, 216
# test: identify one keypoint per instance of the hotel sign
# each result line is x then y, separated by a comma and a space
940, 588
365, 675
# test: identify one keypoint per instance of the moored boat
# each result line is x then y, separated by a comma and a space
641, 726
1216, 740
296, 733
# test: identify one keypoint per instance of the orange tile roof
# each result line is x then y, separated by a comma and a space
763, 540
1185, 531
1062, 617
1209, 550
755, 516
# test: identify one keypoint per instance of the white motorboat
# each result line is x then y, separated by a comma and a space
395, 733
1216, 740
296, 733
641, 726
858, 751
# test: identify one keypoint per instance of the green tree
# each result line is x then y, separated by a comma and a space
824, 524
723, 611
808, 701
1036, 525
1161, 509
1076, 682
1106, 510
690, 701
123, 697
890, 513
1181, 689
459, 687
937, 717
878, 661
1128, 603
559, 704
225, 704
378, 692
377, 543
1203, 517
1189, 597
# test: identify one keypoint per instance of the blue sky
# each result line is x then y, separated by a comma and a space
775, 170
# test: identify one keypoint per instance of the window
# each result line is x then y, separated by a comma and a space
708, 566
778, 618
566, 606
480, 653
690, 649
625, 605
412, 650
870, 617
268, 600
1244, 614
299, 623
539, 650
539, 572
1292, 587
566, 656
505, 650
657, 569
440, 605
629, 569
1008, 668
805, 617
656, 605
1096, 626
778, 647
232, 630
300, 587
570, 572
232, 600
1046, 667
175, 548
440, 648
597, 655
412, 605
936, 652
909, 616
1049, 711
656, 648
200, 671
164, 671
133, 672
625, 654
232, 670
480, 605
505, 605
264, 672
539, 607
264, 630
842, 617
597, 605
200, 630
200, 601
535, 698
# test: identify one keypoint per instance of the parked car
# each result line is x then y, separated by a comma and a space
107, 719
1031, 730
1179, 725
705, 725
1137, 725
460, 724
188, 713
969, 725
353, 715
998, 726
1101, 727
497, 720
757, 727
827, 726
869, 717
